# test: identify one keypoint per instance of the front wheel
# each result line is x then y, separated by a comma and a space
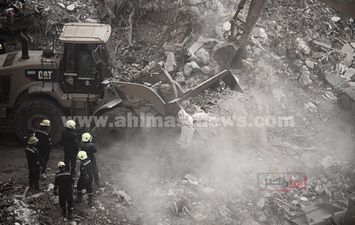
120, 127
30, 114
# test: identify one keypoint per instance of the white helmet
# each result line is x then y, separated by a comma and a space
71, 124
61, 164
45, 123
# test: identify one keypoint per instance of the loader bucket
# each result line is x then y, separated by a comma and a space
173, 107
228, 78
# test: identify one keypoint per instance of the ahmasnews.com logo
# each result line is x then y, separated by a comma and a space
132, 120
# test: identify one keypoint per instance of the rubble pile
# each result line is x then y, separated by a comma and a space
15, 209
320, 41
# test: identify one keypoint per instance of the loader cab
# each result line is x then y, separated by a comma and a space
85, 59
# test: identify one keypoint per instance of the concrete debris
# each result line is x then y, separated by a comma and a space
201, 42
61, 5
191, 67
187, 130
349, 52
304, 199
323, 44
310, 64
305, 78
261, 203
207, 70
260, 36
310, 107
328, 94
203, 56
191, 179
349, 74
335, 19
71, 7
170, 63
302, 46
122, 195
23, 213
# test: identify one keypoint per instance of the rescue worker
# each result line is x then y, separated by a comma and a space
70, 146
63, 187
90, 149
33, 162
85, 178
44, 145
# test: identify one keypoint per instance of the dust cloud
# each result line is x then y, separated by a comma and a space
226, 161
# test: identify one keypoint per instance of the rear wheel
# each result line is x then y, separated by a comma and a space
30, 114
117, 129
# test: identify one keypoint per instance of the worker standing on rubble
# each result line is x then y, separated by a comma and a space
70, 146
63, 187
44, 145
90, 149
86, 177
33, 162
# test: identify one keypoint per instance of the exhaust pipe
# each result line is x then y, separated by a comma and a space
24, 43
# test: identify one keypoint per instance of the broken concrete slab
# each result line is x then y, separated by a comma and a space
71, 7
335, 19
190, 67
302, 46
305, 79
323, 44
201, 41
61, 5
261, 203
203, 56
349, 53
310, 64
170, 63
350, 73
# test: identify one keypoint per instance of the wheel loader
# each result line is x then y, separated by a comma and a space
37, 85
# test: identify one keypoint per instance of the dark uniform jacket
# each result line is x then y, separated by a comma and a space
32, 155
44, 143
70, 143
86, 170
90, 149
63, 182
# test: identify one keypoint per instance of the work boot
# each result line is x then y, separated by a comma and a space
91, 203
63, 215
79, 197
70, 216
